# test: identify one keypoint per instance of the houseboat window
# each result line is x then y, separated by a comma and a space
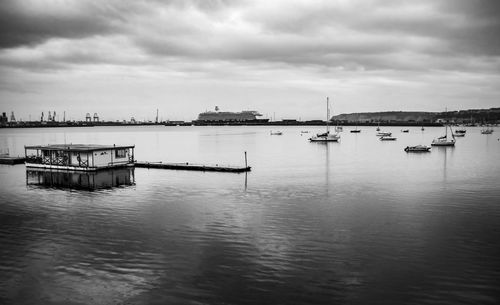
121, 153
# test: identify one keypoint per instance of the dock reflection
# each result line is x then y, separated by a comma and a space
90, 181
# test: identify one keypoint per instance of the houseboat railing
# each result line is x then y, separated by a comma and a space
62, 161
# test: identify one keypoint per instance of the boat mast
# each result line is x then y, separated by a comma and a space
446, 126
327, 114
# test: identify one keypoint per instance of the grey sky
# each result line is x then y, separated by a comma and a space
127, 58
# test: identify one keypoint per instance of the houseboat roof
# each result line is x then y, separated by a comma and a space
78, 147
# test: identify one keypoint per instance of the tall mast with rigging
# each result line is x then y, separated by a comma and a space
327, 114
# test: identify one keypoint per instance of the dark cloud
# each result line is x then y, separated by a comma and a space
356, 35
30, 23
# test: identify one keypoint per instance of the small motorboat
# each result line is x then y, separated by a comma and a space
487, 131
304, 131
356, 130
387, 138
384, 134
276, 133
405, 130
458, 135
418, 148
457, 131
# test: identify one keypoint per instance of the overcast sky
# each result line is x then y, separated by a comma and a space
126, 58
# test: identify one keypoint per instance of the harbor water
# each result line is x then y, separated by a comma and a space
355, 222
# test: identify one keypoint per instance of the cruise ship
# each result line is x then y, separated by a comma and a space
225, 117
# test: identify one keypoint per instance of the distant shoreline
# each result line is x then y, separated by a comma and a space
278, 123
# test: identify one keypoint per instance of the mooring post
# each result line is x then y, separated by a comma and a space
246, 165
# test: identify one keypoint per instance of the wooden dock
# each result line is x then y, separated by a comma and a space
194, 167
12, 160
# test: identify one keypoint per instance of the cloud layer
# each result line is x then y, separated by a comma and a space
306, 48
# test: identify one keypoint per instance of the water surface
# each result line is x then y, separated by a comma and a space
354, 222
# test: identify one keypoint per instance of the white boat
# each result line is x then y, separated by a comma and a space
276, 133
444, 140
387, 138
384, 134
418, 148
488, 130
458, 133
327, 136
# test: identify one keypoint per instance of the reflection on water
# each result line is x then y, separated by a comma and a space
95, 180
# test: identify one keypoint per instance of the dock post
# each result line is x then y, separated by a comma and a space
246, 165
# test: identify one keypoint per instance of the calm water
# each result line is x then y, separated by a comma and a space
355, 222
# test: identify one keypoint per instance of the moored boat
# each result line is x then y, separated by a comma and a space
84, 157
417, 148
387, 138
444, 140
384, 134
487, 131
276, 133
327, 136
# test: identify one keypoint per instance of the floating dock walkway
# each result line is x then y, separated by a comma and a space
94, 157
176, 166
194, 167
12, 160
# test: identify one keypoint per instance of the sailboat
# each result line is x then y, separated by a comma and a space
444, 140
327, 136
356, 130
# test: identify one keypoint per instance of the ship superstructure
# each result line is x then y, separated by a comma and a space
228, 117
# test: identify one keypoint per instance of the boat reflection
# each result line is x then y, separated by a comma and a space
103, 179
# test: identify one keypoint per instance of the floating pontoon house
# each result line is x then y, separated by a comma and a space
79, 156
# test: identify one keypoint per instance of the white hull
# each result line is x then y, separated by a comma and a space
325, 139
443, 143
387, 138
418, 148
